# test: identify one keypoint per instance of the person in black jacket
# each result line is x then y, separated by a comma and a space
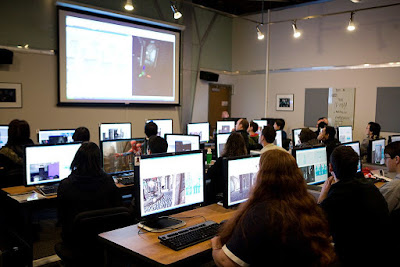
87, 188
327, 137
241, 127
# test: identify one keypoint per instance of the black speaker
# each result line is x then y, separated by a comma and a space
6, 56
209, 76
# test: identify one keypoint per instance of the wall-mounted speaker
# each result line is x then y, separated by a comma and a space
6, 56
209, 76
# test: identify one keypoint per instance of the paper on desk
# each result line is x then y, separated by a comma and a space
28, 196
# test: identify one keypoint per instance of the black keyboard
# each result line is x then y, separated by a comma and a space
48, 190
125, 180
189, 236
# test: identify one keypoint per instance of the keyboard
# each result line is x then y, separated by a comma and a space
124, 178
48, 190
189, 236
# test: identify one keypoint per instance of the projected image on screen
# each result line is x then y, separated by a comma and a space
44, 171
118, 155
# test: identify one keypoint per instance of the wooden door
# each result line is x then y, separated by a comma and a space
219, 99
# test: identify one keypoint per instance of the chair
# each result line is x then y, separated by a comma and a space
85, 248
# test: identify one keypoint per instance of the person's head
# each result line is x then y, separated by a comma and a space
373, 129
234, 146
87, 160
324, 120
150, 129
344, 163
306, 135
279, 124
156, 145
81, 134
327, 133
253, 127
268, 135
242, 124
225, 114
18, 133
392, 156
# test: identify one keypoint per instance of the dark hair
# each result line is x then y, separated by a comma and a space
244, 123
280, 123
375, 128
269, 134
331, 131
344, 162
150, 129
254, 126
393, 149
322, 118
290, 207
18, 133
81, 134
157, 144
87, 160
306, 135
234, 146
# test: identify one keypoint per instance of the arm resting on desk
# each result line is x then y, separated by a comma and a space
219, 256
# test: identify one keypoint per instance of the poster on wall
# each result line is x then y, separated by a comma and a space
10, 95
341, 106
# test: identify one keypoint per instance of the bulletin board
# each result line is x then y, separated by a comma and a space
388, 109
316, 105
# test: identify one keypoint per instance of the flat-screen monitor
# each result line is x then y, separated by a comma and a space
313, 163
393, 138
3, 135
112, 131
261, 125
225, 126
240, 174
220, 142
278, 138
182, 142
164, 126
271, 121
45, 164
295, 135
168, 183
345, 134
118, 154
55, 136
233, 119
356, 147
376, 150
201, 129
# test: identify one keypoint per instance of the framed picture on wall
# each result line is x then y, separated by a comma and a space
10, 95
284, 102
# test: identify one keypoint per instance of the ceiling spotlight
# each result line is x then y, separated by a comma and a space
356, 1
177, 14
26, 46
260, 35
351, 27
129, 6
296, 32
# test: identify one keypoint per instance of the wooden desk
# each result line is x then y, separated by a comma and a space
147, 246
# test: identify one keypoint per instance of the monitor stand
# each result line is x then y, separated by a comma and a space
161, 224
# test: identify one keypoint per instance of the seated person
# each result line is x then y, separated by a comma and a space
11, 155
156, 145
391, 190
241, 127
267, 139
150, 129
372, 131
352, 206
307, 138
87, 188
279, 225
327, 137
81, 134
279, 125
253, 136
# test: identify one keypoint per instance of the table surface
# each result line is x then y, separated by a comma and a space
146, 244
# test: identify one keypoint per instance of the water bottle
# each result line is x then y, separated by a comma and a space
209, 156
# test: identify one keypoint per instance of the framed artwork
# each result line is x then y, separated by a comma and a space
10, 95
284, 102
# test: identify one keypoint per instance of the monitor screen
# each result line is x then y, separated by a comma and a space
55, 136
112, 131
3, 135
313, 163
225, 126
118, 154
394, 138
182, 142
356, 147
201, 129
220, 142
278, 138
240, 175
295, 136
164, 126
177, 182
377, 151
261, 125
345, 134
48, 163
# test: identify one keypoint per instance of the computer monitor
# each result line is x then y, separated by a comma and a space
345, 134
44, 164
200, 128
232, 119
55, 136
118, 154
278, 138
313, 163
375, 153
220, 141
240, 174
393, 138
164, 126
182, 142
295, 136
356, 147
261, 125
166, 184
225, 126
112, 131
271, 121
3, 135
